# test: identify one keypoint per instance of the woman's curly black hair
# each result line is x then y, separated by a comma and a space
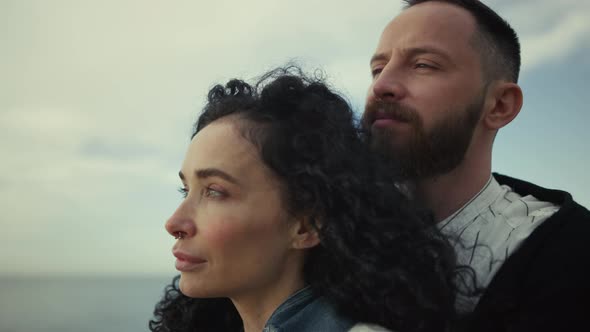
380, 260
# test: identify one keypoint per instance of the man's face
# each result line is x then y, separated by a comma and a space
427, 91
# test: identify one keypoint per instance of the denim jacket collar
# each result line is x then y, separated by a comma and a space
304, 311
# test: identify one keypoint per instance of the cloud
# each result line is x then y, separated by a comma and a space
549, 31
564, 38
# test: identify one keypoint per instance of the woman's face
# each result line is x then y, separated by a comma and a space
236, 234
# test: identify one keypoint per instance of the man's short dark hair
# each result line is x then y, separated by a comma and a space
495, 39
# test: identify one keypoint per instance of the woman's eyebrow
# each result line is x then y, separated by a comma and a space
215, 172
211, 172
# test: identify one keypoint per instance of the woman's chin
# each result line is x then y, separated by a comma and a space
189, 288
186, 287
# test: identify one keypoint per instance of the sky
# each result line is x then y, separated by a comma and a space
97, 100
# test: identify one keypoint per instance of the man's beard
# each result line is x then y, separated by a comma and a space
424, 154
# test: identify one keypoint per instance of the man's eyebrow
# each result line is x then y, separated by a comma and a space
215, 172
412, 51
379, 57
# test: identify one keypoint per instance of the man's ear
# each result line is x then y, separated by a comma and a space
305, 234
502, 104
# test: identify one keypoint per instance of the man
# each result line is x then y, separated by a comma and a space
445, 78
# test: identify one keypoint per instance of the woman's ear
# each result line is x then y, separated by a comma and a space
305, 234
505, 100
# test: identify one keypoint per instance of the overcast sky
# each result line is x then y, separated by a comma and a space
97, 99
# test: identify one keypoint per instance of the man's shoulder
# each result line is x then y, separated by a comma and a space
362, 327
525, 188
570, 223
561, 198
547, 276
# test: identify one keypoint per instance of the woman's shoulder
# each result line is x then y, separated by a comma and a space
362, 327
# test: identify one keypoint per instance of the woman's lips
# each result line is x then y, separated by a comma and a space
186, 262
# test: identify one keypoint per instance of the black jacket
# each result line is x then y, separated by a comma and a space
545, 284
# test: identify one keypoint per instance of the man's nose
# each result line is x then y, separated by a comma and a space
388, 86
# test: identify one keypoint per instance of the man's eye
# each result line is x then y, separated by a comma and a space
376, 71
423, 65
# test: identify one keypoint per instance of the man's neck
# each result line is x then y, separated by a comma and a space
445, 194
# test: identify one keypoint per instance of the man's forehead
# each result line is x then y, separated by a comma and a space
434, 21
431, 25
437, 10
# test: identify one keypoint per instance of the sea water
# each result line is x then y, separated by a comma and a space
78, 304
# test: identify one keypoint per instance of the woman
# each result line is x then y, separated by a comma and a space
288, 223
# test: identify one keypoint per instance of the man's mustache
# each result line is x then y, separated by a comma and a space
378, 109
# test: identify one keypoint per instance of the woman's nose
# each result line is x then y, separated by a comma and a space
182, 223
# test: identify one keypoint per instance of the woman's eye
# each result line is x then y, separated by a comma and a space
213, 193
183, 191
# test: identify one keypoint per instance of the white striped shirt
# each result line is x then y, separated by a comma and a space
490, 227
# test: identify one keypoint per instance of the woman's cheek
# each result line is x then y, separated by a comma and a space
237, 233
226, 232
